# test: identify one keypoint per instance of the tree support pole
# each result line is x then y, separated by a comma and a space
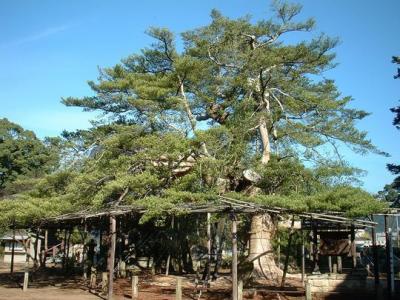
303, 259
375, 255
64, 249
169, 255
279, 251
389, 259
178, 289
13, 250
208, 246
26, 272
111, 256
35, 250
315, 250
285, 268
84, 252
135, 288
67, 262
353, 247
234, 259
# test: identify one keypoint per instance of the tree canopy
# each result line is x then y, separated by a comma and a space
23, 155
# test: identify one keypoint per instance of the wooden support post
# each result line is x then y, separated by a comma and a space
279, 252
26, 272
353, 247
122, 269
234, 259
13, 250
93, 278
46, 237
64, 245
35, 249
111, 256
178, 292
308, 291
335, 266
26, 280
67, 261
135, 287
169, 254
315, 250
389, 259
375, 255
339, 264
286, 265
330, 263
240, 290
84, 252
208, 247
104, 283
303, 259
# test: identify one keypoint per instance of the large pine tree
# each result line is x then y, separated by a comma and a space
248, 105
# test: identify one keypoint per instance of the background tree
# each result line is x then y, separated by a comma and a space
23, 156
391, 192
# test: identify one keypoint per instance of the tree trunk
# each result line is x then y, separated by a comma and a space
190, 116
261, 252
266, 147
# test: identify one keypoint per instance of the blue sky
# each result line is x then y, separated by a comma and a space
49, 49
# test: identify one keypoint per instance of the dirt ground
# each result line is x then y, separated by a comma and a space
53, 284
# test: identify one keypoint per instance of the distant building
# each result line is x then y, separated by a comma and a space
22, 241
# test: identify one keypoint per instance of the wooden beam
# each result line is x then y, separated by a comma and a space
111, 255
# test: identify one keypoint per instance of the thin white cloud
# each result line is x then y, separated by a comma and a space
36, 36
